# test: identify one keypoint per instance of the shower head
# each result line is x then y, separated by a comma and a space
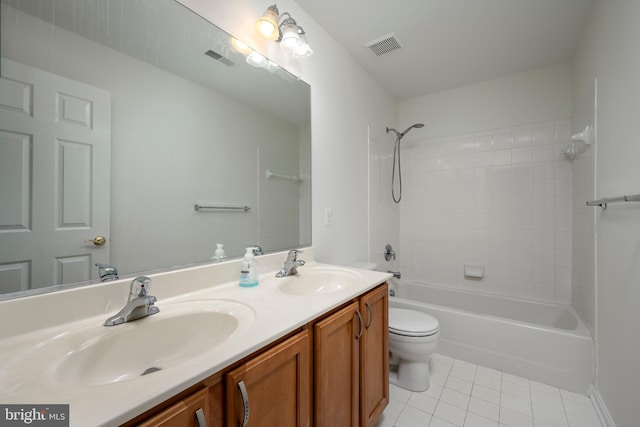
400, 135
417, 126
396, 154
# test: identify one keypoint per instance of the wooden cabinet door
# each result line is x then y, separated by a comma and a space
183, 413
336, 370
276, 385
374, 355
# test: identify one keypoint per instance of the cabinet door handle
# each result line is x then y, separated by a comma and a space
361, 324
202, 421
245, 402
370, 314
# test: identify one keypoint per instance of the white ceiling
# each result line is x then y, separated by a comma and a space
451, 43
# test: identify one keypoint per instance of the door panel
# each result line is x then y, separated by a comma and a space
277, 387
55, 159
336, 369
15, 181
374, 356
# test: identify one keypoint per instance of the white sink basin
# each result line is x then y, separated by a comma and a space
95, 355
318, 281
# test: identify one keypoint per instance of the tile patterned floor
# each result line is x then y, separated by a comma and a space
466, 395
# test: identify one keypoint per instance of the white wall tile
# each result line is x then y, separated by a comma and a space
495, 197
522, 136
544, 133
484, 141
521, 155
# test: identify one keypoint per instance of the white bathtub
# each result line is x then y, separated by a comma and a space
543, 342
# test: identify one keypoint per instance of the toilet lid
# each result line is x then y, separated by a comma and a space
411, 322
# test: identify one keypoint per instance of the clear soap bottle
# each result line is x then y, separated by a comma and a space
248, 270
219, 254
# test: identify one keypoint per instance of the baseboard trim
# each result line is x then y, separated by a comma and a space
601, 408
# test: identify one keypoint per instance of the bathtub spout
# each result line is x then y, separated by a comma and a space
396, 274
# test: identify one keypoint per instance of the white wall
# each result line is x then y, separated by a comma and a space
485, 183
345, 100
609, 52
532, 96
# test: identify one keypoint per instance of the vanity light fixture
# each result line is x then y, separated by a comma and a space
257, 60
240, 46
252, 57
304, 49
287, 32
267, 25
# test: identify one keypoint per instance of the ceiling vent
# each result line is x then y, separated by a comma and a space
384, 44
218, 57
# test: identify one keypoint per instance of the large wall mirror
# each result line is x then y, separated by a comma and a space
117, 118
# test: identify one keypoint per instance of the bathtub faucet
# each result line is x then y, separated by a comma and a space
396, 274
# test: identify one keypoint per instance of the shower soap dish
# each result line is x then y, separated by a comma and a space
475, 271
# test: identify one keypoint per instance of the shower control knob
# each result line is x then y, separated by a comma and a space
389, 253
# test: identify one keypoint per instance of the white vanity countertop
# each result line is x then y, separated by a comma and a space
276, 314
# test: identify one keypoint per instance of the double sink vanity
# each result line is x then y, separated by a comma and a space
307, 349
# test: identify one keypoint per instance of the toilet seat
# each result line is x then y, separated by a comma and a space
412, 323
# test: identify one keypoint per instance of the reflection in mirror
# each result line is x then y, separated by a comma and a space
116, 119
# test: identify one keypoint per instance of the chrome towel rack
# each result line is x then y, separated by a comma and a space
198, 207
270, 174
605, 200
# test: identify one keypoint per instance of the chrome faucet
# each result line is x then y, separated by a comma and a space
389, 253
107, 272
140, 303
291, 264
396, 274
257, 250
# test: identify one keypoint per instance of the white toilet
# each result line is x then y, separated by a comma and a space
413, 338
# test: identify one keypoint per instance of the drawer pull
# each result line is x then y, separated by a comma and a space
361, 323
202, 421
370, 314
245, 402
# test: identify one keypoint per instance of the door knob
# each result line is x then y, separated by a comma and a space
98, 240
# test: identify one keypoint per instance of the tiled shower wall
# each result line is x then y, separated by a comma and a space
500, 198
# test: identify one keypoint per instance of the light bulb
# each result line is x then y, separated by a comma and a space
256, 60
240, 46
304, 49
290, 42
267, 25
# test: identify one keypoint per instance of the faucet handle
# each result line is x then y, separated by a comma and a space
139, 287
107, 272
257, 250
292, 256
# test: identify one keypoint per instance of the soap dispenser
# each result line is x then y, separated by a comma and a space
248, 270
219, 254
